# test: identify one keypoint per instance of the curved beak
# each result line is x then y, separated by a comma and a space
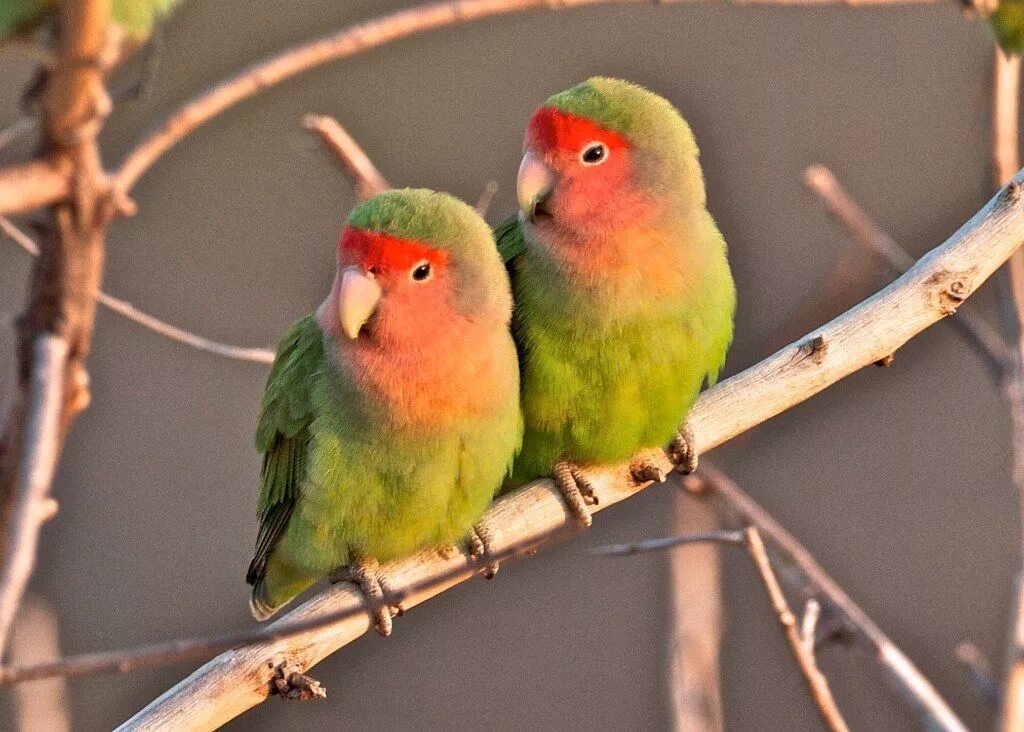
534, 185
357, 299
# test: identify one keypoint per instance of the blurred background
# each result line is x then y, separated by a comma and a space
896, 479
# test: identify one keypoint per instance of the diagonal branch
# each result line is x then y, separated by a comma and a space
986, 339
932, 289
367, 179
808, 578
349, 42
35, 473
797, 638
162, 327
26, 187
804, 655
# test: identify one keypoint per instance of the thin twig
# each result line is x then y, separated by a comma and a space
459, 566
486, 198
979, 671
349, 42
367, 179
35, 473
986, 340
29, 186
240, 353
18, 236
719, 536
816, 681
750, 539
1005, 120
233, 682
129, 311
809, 624
810, 579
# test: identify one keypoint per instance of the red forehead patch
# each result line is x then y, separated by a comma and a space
552, 129
383, 252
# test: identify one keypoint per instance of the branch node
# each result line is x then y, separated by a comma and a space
291, 684
1010, 195
813, 348
885, 361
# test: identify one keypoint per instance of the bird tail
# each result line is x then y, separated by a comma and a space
274, 587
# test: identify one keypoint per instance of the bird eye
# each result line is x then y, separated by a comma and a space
594, 153
421, 272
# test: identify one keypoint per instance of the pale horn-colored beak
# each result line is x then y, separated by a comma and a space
534, 185
357, 299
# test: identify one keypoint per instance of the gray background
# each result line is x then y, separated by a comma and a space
896, 479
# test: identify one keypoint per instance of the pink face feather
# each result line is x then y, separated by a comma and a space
416, 352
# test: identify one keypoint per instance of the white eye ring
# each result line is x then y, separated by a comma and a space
594, 153
421, 271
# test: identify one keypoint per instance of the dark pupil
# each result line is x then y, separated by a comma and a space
593, 154
421, 272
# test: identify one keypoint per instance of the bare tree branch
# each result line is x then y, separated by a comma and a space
695, 632
1005, 121
56, 326
239, 353
129, 311
41, 706
125, 660
979, 670
35, 473
486, 198
986, 339
349, 42
929, 291
808, 578
367, 179
26, 187
803, 651
816, 680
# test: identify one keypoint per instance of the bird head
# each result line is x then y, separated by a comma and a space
602, 154
411, 263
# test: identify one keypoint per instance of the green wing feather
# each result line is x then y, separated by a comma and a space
509, 236
1008, 25
283, 434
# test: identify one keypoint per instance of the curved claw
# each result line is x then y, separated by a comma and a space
682, 450
576, 490
367, 575
478, 544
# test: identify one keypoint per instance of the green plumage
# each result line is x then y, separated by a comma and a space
136, 17
610, 362
346, 476
1008, 25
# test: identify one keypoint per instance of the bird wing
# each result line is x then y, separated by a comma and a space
283, 434
509, 236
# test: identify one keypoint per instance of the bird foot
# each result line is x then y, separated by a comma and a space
576, 489
682, 450
291, 684
478, 544
367, 575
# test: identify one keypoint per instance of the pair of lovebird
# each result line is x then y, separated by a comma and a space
445, 366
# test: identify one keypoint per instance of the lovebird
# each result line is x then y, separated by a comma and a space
1007, 24
135, 17
624, 299
391, 414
